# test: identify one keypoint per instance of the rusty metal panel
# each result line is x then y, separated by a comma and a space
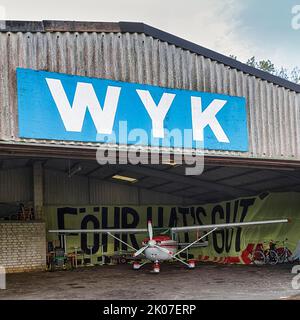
273, 111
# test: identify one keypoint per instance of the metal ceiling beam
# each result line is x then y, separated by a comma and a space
262, 181
284, 188
250, 171
158, 185
289, 175
98, 168
187, 180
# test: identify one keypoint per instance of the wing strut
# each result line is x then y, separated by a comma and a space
110, 234
191, 244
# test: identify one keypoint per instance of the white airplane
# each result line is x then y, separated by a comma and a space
162, 247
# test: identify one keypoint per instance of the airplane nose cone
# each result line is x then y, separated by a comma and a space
152, 243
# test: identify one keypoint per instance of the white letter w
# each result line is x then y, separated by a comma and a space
85, 98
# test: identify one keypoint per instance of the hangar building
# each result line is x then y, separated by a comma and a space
56, 177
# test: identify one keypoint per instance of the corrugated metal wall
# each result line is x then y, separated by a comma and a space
59, 189
274, 112
16, 185
80, 190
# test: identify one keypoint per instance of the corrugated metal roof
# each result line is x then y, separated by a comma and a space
129, 54
138, 27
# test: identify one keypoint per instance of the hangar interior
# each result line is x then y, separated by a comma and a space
38, 183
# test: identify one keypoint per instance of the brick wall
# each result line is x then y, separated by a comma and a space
22, 246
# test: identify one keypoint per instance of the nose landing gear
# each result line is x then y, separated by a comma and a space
156, 267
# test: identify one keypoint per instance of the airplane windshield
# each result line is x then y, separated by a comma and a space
162, 231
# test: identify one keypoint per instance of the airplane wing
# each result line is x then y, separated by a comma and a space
196, 245
110, 232
113, 231
225, 225
174, 229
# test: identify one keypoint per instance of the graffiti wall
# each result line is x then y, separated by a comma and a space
227, 246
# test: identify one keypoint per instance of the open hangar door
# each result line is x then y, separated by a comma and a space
80, 194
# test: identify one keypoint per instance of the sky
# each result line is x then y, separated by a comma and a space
243, 28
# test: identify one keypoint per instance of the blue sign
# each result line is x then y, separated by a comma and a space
57, 106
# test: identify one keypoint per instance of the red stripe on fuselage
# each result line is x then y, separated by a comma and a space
168, 246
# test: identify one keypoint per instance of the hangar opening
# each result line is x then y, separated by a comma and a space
39, 194
66, 86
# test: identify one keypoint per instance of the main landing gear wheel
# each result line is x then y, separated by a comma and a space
136, 266
192, 264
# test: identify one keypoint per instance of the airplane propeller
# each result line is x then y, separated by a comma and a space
140, 251
151, 243
150, 230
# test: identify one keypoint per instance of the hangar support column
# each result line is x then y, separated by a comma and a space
38, 190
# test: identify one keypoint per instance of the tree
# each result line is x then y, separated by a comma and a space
282, 73
252, 62
295, 75
265, 65
268, 66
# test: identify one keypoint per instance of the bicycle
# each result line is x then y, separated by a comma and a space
284, 254
262, 256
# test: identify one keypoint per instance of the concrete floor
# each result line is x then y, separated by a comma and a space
207, 281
